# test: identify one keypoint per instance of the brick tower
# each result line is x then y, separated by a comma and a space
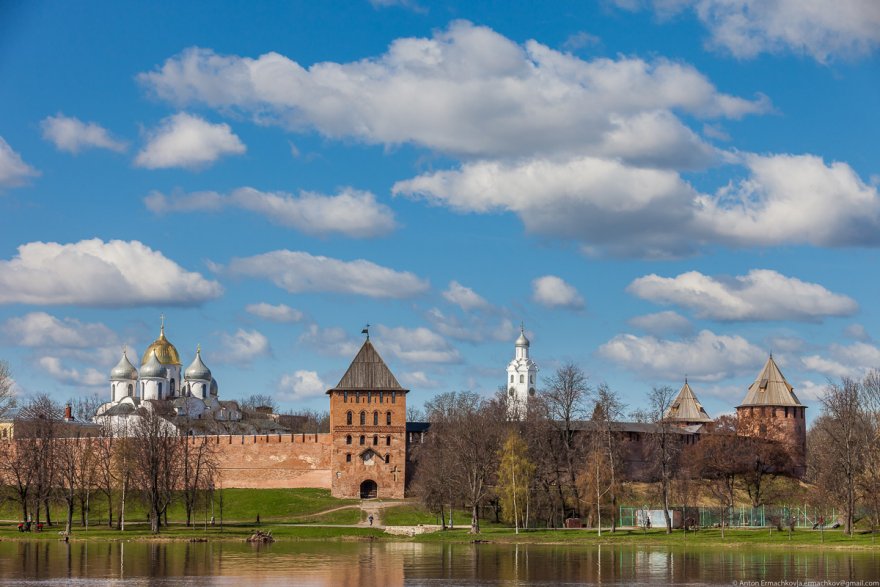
368, 430
771, 410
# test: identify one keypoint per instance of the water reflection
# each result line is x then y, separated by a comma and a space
371, 564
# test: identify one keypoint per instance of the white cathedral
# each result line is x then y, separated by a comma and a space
521, 377
194, 396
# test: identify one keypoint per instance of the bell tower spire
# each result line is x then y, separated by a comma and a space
522, 373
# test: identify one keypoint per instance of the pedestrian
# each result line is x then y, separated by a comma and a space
371, 519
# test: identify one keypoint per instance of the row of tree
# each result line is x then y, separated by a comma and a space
48, 460
571, 458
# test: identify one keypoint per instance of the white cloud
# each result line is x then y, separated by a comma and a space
39, 329
185, 140
792, 199
553, 292
73, 135
853, 360
407, 4
351, 212
13, 170
417, 379
661, 323
298, 272
472, 327
243, 346
818, 28
467, 90
809, 391
464, 297
54, 368
280, 313
579, 40
329, 341
857, 332
705, 357
301, 385
762, 294
97, 273
415, 345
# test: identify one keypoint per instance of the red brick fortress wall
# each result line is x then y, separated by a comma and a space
273, 461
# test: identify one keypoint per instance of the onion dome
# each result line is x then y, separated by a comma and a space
198, 370
522, 340
124, 370
165, 351
153, 368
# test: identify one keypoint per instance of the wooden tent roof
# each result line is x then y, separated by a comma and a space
686, 407
368, 372
770, 388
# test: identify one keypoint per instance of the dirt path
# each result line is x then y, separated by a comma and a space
374, 508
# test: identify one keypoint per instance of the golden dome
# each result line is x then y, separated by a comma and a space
165, 351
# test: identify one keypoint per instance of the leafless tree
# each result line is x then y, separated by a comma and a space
258, 400
83, 407
199, 466
717, 459
36, 427
7, 390
607, 409
155, 461
665, 444
566, 394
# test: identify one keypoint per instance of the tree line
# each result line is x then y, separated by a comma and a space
571, 458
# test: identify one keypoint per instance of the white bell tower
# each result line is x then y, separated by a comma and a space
522, 373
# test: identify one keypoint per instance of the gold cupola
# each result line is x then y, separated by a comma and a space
165, 351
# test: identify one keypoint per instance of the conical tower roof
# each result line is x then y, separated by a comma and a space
770, 388
368, 372
686, 407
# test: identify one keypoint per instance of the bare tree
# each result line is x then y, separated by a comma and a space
607, 409
718, 459
83, 407
7, 390
665, 444
566, 394
258, 400
199, 470
155, 459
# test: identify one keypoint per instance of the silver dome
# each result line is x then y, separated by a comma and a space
153, 368
198, 370
124, 370
522, 340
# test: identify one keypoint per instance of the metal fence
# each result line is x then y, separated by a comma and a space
737, 517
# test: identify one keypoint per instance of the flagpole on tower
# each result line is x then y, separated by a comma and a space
366, 331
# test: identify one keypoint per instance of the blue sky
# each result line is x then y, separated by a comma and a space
656, 189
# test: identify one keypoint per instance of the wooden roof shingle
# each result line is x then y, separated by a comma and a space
368, 372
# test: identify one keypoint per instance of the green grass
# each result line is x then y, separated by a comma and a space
241, 505
415, 514
706, 537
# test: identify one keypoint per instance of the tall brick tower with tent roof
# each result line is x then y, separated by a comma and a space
772, 411
368, 429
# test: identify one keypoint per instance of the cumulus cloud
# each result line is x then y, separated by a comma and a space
351, 212
857, 332
73, 135
762, 294
464, 297
279, 313
188, 141
415, 345
301, 385
473, 328
243, 346
661, 323
792, 199
13, 170
705, 357
97, 273
329, 341
467, 90
417, 379
553, 292
68, 376
820, 29
785, 199
39, 329
299, 272
852, 360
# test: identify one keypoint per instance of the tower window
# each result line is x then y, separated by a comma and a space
348, 457
348, 418
363, 418
522, 378
348, 439
393, 397
387, 458
388, 418
381, 396
369, 397
387, 441
511, 377
531, 379
129, 389
345, 397
375, 418
362, 438
375, 440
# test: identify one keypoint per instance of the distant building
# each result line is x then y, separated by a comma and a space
686, 410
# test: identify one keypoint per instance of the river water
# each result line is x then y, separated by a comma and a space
381, 564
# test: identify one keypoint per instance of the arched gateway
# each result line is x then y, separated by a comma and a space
369, 489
